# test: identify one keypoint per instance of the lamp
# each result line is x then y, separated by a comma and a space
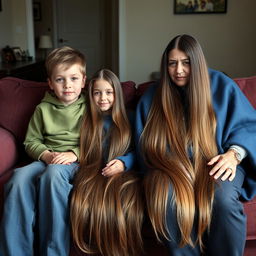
45, 43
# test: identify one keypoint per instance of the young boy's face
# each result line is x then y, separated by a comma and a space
67, 83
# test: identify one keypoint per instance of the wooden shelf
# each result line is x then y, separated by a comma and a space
33, 70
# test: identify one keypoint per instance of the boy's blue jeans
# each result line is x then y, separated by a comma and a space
37, 191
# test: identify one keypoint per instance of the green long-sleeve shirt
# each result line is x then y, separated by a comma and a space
54, 126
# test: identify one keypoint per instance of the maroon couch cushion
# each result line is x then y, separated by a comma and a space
9, 153
18, 99
129, 92
141, 88
250, 211
248, 87
3, 179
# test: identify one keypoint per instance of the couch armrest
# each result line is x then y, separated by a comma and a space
9, 152
250, 211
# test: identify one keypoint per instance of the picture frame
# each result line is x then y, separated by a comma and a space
37, 15
200, 6
17, 53
0, 5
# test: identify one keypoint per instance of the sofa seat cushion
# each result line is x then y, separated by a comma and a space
3, 179
18, 99
250, 211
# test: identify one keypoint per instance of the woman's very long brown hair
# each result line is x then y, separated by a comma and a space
106, 213
167, 139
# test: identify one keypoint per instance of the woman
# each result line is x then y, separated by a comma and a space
194, 129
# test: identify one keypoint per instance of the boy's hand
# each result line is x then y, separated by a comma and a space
113, 167
64, 158
47, 156
58, 157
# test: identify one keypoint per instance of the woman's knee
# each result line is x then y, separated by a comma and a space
226, 198
226, 202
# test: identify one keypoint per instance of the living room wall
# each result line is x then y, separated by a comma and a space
228, 40
15, 28
5, 18
146, 26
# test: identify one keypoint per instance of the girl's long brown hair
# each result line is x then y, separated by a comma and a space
106, 213
167, 140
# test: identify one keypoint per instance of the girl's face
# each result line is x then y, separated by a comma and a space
179, 67
103, 94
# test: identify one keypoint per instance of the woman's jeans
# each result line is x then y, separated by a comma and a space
227, 233
37, 194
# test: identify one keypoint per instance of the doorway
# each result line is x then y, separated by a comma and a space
89, 26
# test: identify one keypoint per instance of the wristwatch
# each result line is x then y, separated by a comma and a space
237, 155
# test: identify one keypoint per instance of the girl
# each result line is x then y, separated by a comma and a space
106, 206
195, 127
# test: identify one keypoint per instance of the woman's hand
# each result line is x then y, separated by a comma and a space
113, 167
225, 166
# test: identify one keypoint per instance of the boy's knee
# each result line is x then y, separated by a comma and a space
54, 173
20, 177
19, 183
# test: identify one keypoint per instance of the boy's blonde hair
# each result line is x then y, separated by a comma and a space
66, 56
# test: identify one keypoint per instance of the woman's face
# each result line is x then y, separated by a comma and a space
179, 67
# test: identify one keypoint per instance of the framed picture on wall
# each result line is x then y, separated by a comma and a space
37, 11
0, 5
200, 6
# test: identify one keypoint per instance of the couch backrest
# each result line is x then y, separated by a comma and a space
248, 87
18, 99
246, 84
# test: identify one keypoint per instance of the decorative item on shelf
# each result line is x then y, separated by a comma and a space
17, 53
45, 43
8, 55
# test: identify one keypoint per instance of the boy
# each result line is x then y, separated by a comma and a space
52, 140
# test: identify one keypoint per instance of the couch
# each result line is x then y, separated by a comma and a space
18, 99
